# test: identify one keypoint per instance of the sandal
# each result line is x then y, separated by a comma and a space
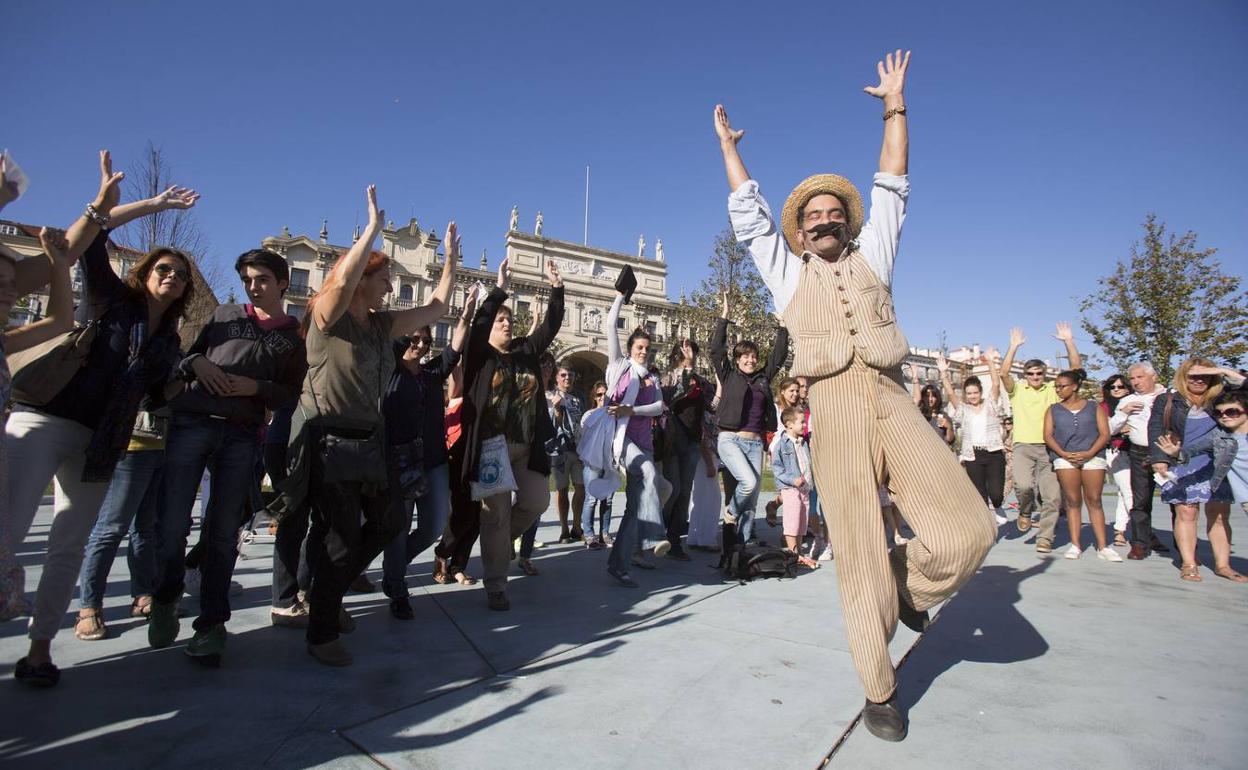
464, 579
526, 566
1231, 575
808, 562
90, 626
1190, 573
1120, 538
441, 572
141, 607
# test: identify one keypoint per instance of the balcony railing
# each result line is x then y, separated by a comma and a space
298, 290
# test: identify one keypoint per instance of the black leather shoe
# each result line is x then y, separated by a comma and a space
911, 618
497, 601
401, 608
884, 721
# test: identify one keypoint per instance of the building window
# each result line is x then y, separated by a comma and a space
8, 230
522, 307
652, 329
620, 323
405, 291
439, 333
298, 282
295, 311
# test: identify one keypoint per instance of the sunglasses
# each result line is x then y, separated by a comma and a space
1034, 374
1234, 411
414, 341
165, 269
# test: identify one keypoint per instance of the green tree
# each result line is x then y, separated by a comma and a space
1169, 301
730, 267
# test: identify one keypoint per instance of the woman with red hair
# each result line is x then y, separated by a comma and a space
339, 464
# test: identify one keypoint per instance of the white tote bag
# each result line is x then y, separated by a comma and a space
494, 476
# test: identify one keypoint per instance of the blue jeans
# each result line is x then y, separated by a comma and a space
130, 505
228, 451
587, 510
432, 510
645, 492
743, 457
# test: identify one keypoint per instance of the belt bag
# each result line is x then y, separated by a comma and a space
352, 459
40, 372
494, 476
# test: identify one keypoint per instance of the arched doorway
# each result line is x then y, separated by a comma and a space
590, 366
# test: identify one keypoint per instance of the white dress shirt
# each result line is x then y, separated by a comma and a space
1138, 422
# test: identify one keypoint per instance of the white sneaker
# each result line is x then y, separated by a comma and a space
999, 515
827, 554
1073, 552
1108, 554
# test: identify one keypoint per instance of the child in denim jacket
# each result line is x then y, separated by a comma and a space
790, 464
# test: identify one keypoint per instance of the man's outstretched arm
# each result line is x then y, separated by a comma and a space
895, 154
728, 138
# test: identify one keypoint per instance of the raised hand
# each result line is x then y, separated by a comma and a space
724, 129
725, 297
1063, 332
1169, 445
892, 75
504, 274
1017, 339
942, 364
177, 198
56, 246
110, 185
375, 215
453, 243
993, 354
552, 274
470, 302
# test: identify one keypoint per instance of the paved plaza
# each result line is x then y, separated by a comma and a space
1038, 662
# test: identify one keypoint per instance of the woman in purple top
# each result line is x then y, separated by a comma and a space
634, 399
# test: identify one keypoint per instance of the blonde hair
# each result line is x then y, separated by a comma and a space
1180, 382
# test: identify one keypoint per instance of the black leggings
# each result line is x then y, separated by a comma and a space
987, 472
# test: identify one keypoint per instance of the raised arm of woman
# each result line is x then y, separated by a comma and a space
942, 366
408, 321
613, 334
335, 297
60, 317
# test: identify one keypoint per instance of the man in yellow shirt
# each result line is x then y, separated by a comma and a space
1033, 471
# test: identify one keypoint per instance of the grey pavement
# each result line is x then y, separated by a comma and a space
1037, 662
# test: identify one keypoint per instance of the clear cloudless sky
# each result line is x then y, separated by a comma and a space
1041, 133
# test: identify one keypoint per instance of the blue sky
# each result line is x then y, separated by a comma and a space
1041, 135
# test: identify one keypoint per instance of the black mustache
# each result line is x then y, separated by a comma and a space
831, 228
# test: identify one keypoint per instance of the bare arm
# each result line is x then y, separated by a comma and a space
990, 358
943, 366
1102, 430
728, 139
1016, 341
916, 386
60, 317
461, 329
173, 198
1068, 339
1049, 441
408, 321
895, 153
335, 296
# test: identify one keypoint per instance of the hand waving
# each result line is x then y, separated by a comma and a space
942, 364
177, 198
725, 296
892, 75
470, 302
1063, 332
110, 185
375, 215
453, 243
504, 273
552, 274
724, 129
1017, 339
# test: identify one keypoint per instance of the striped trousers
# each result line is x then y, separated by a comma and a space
865, 426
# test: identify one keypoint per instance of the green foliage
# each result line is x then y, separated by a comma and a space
1169, 301
730, 266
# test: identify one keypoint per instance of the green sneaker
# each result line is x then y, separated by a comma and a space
162, 625
206, 646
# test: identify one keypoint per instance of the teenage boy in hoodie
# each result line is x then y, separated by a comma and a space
248, 359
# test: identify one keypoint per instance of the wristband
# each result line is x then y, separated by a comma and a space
894, 111
95, 216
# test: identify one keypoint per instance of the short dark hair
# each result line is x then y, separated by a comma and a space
1034, 362
972, 380
266, 259
1077, 376
792, 413
1236, 396
638, 334
743, 347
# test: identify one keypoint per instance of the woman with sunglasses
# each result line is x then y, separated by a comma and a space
1076, 431
1183, 415
1113, 390
79, 433
416, 441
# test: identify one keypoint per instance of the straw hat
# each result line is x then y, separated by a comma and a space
821, 184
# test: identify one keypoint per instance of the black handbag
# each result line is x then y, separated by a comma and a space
345, 459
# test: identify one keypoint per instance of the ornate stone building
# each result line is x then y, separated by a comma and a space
588, 274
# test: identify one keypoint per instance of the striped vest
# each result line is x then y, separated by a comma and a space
841, 309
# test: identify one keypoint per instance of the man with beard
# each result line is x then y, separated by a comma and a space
830, 273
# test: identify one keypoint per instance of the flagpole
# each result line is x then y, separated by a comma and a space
585, 242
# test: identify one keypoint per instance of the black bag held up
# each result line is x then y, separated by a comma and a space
626, 284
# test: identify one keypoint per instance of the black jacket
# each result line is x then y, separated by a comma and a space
480, 362
733, 404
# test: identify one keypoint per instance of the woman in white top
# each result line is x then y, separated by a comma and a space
983, 447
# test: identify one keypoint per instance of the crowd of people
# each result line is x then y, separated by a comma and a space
373, 445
